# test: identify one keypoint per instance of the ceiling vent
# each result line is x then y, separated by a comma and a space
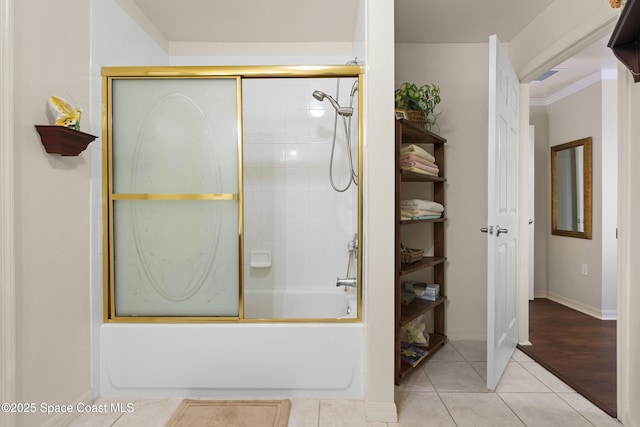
546, 75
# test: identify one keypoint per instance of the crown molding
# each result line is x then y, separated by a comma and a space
577, 86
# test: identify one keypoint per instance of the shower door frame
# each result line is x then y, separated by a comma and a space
109, 74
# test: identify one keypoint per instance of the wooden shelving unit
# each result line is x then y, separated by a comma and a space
409, 133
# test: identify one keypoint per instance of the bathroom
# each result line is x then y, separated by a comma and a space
45, 274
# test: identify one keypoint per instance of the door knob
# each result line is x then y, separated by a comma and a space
487, 229
501, 230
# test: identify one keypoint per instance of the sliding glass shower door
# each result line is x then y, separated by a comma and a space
173, 177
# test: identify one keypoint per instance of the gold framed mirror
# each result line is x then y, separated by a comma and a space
571, 189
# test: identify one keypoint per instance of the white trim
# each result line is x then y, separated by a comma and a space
381, 412
463, 334
577, 86
624, 248
7, 263
537, 102
540, 294
583, 308
63, 419
609, 74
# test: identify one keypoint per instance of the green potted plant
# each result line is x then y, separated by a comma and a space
411, 99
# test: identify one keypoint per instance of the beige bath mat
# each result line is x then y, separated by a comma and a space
231, 413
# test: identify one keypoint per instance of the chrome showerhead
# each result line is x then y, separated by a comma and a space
343, 111
319, 95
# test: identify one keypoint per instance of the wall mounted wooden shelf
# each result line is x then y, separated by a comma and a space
63, 140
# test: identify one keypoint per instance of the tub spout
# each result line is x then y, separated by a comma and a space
350, 282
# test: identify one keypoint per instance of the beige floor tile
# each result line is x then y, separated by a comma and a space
106, 417
520, 356
550, 380
418, 409
517, 379
342, 413
479, 410
148, 413
481, 368
543, 410
588, 410
454, 377
448, 353
95, 420
416, 380
472, 351
304, 413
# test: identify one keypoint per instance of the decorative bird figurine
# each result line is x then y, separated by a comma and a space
66, 115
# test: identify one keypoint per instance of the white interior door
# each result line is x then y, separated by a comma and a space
502, 271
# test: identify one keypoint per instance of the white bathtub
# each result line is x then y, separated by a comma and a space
300, 304
239, 360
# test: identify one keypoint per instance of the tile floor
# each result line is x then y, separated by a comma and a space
447, 390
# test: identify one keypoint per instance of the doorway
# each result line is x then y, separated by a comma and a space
564, 271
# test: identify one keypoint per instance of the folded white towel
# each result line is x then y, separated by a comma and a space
417, 151
426, 205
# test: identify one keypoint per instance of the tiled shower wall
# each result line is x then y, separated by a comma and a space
291, 210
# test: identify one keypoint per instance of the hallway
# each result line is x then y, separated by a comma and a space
449, 390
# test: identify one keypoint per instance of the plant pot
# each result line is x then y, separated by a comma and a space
416, 116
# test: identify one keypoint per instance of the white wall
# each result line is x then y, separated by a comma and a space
591, 111
571, 118
464, 123
51, 208
379, 211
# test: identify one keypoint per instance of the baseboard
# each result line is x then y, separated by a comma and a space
64, 419
583, 308
467, 335
540, 294
609, 315
381, 412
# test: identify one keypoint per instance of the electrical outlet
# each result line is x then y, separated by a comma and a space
585, 270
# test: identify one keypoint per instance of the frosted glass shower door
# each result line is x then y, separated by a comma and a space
173, 192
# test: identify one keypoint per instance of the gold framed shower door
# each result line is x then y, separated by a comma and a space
111, 74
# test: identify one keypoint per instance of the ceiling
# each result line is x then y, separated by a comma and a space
329, 21
271, 21
463, 21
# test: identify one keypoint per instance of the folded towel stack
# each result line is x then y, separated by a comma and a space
415, 159
420, 209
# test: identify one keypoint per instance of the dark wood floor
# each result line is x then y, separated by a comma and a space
577, 348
